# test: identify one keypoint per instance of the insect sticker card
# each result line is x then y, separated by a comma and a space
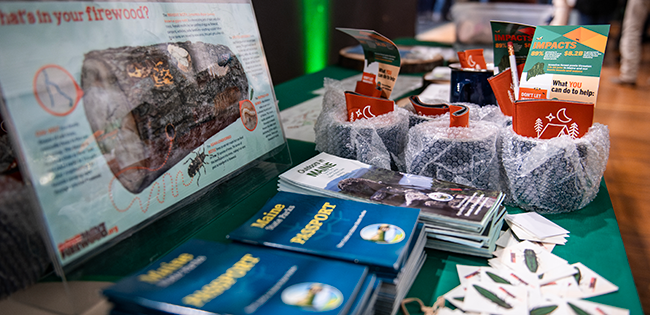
590, 283
530, 259
495, 298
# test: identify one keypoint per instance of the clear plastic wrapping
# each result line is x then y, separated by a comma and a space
555, 175
548, 176
377, 141
464, 155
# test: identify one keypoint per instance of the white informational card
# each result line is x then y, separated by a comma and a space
298, 121
536, 224
436, 92
122, 109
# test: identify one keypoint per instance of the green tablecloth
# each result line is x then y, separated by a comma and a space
594, 240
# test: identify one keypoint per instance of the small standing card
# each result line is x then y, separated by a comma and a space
382, 59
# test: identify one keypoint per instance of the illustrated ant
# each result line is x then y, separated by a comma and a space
197, 163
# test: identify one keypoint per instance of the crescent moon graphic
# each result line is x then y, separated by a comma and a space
561, 116
471, 61
367, 113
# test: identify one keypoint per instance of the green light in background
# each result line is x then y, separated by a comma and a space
316, 26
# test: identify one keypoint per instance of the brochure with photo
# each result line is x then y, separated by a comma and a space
445, 203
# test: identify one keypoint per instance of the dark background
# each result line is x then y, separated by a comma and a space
280, 24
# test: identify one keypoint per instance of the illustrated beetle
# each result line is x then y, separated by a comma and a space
197, 163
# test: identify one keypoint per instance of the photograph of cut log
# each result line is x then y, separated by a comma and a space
150, 106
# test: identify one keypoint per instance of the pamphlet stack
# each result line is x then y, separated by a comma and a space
299, 254
387, 239
456, 218
214, 278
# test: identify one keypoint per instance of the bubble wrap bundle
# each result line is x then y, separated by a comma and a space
464, 155
23, 255
555, 175
378, 141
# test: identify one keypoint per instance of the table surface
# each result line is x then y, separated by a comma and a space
594, 239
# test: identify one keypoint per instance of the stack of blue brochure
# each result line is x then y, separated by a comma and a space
202, 277
302, 254
385, 238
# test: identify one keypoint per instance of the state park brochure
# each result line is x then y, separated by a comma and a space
202, 277
441, 203
366, 297
467, 243
372, 234
564, 62
477, 239
123, 109
392, 291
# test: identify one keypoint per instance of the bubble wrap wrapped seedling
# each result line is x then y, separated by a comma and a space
377, 141
555, 175
464, 155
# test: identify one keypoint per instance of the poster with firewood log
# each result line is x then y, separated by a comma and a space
119, 110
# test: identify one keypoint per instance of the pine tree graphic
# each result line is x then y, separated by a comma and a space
538, 126
573, 130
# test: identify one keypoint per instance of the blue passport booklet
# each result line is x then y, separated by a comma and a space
202, 277
372, 234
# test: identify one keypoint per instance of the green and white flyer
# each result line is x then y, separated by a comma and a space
564, 62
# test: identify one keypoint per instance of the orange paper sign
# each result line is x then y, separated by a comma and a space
503, 89
363, 107
546, 119
472, 59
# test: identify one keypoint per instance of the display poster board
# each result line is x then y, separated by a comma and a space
119, 110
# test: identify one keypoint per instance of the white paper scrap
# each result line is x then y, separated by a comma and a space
441, 73
525, 235
298, 121
435, 92
536, 224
